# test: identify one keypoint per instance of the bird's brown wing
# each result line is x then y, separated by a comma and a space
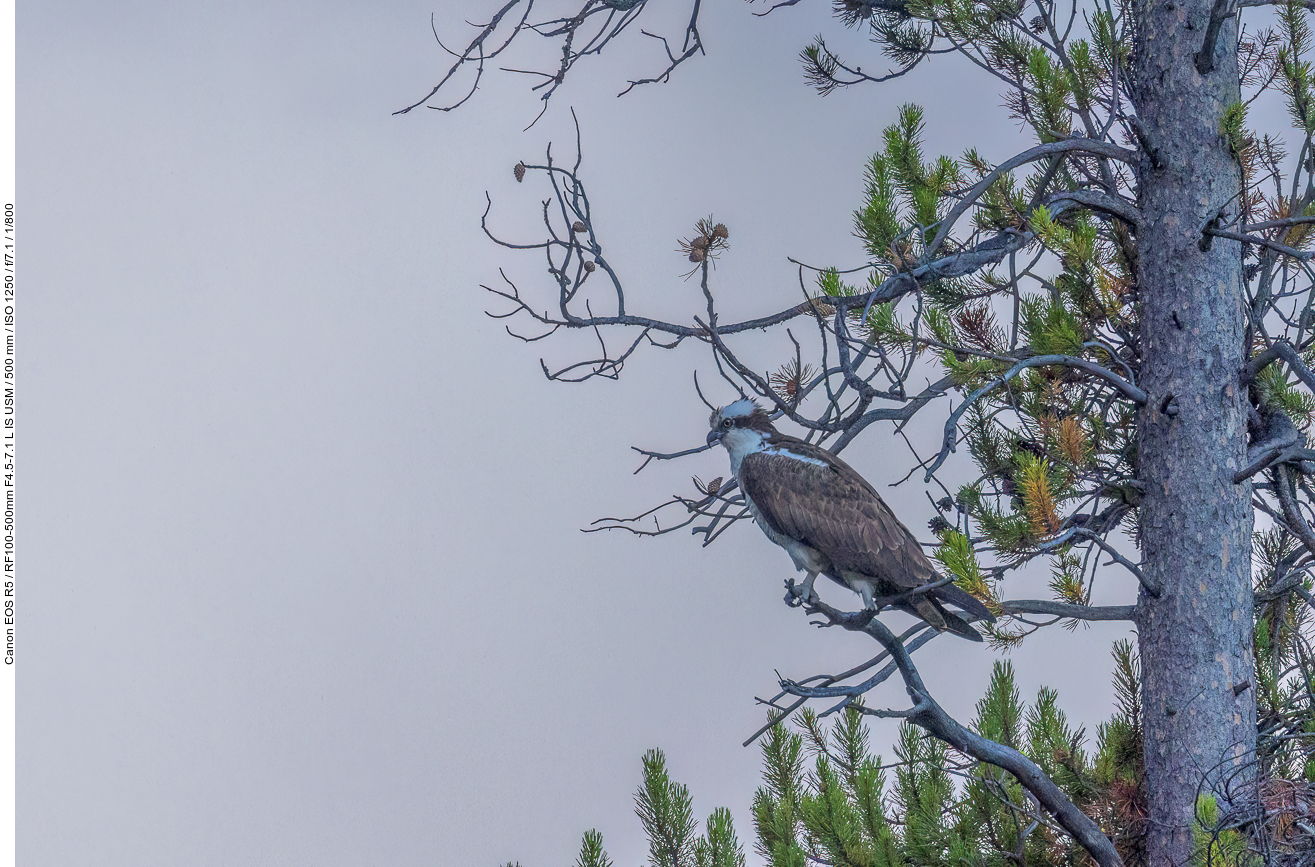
817, 498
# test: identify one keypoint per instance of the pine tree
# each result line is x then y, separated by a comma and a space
1124, 311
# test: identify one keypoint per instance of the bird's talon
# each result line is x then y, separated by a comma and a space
792, 595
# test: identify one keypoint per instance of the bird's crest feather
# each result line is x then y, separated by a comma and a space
746, 412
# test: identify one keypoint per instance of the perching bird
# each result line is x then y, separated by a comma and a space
831, 521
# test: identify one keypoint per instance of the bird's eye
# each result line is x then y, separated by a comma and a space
727, 423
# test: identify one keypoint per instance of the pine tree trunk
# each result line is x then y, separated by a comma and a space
1195, 640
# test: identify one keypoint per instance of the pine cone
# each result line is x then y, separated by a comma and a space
720, 231
577, 226
519, 171
590, 266
697, 255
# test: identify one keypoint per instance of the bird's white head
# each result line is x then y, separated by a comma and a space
742, 427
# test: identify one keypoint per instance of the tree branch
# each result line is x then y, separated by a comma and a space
474, 49
1083, 145
1301, 255
1152, 587
929, 715
1128, 389
1279, 349
1092, 613
1297, 524
1205, 58
1101, 202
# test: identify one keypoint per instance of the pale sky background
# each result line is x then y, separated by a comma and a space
303, 576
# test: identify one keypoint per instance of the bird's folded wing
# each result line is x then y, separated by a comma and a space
821, 501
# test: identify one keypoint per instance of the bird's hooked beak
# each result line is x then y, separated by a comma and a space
714, 436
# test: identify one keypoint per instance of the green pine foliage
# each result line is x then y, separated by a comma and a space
776, 805
1292, 399
933, 807
1285, 670
719, 847
1233, 126
828, 800
904, 196
1295, 77
666, 811
1225, 846
592, 853
956, 554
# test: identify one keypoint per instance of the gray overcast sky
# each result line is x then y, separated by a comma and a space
303, 577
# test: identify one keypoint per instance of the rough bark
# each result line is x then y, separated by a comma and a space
1196, 524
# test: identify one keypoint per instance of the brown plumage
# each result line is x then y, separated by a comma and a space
833, 522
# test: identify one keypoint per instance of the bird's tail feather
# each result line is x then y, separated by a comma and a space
956, 624
961, 598
948, 620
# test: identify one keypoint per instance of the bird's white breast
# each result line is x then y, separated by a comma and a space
740, 443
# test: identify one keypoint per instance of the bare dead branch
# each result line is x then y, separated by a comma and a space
1300, 255
474, 53
1094, 613
589, 31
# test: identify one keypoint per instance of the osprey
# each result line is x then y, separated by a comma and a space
831, 521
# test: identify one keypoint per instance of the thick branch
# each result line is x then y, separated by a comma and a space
1101, 202
1080, 145
1287, 500
1205, 58
1282, 443
1284, 350
1301, 255
1092, 613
